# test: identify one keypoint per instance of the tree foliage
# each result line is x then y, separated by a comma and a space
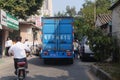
21, 8
60, 14
91, 9
101, 44
88, 13
80, 27
70, 11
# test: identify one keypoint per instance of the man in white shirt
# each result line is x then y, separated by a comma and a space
8, 44
18, 50
27, 43
76, 45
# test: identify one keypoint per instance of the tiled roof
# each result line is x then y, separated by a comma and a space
104, 18
29, 23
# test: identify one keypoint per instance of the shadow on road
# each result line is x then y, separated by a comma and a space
75, 71
39, 62
38, 77
8, 78
36, 61
89, 60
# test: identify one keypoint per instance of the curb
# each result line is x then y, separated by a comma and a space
102, 75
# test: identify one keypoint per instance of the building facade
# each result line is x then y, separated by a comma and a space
46, 9
27, 29
8, 23
116, 19
103, 21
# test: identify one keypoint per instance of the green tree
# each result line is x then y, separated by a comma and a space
101, 44
21, 8
102, 6
70, 11
88, 13
80, 27
91, 9
60, 14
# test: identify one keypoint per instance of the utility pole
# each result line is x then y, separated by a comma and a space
94, 11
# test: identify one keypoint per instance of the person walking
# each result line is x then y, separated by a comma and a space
27, 43
76, 45
18, 50
8, 44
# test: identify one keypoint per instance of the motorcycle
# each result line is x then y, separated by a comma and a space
21, 68
21, 71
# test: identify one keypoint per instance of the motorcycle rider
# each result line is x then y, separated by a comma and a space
18, 50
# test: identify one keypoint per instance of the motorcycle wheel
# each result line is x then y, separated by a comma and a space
21, 74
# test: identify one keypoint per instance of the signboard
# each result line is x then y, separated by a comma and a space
61, 37
12, 22
8, 20
3, 18
38, 21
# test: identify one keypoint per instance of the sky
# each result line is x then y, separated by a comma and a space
60, 5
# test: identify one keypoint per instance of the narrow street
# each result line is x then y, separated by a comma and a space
40, 71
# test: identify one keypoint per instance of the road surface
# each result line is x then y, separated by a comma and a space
40, 71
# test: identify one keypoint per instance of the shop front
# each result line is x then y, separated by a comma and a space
0, 42
8, 23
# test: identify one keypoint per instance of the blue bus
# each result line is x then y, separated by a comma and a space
57, 39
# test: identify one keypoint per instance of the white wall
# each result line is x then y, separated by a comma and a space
116, 21
46, 8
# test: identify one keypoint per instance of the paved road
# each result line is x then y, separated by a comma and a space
39, 71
